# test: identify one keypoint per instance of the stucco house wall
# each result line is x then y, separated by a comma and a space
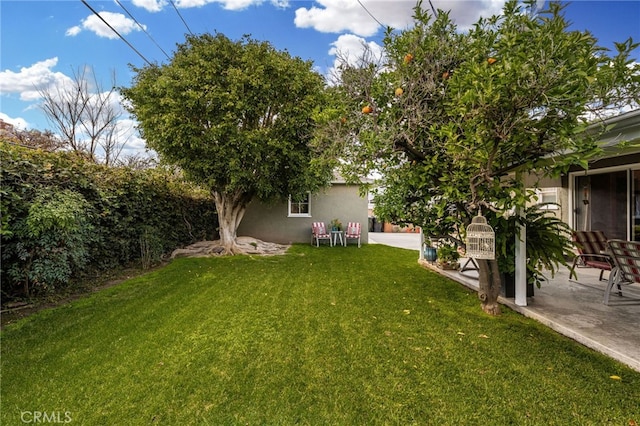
271, 222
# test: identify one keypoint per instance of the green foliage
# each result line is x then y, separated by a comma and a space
548, 242
53, 240
236, 116
448, 252
478, 110
150, 248
64, 217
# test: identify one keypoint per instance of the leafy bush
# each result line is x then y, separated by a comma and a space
51, 241
448, 252
548, 243
63, 217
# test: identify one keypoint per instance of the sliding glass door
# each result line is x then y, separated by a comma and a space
635, 207
601, 203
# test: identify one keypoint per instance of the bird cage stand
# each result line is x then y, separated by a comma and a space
481, 239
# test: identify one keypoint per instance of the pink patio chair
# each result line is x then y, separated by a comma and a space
352, 232
319, 232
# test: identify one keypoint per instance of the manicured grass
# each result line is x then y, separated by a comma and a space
320, 336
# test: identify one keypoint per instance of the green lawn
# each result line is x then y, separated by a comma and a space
319, 336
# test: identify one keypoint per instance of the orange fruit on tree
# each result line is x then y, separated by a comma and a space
408, 58
367, 109
446, 75
399, 91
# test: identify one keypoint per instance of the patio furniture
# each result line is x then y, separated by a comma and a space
592, 252
319, 232
472, 267
352, 232
626, 257
337, 235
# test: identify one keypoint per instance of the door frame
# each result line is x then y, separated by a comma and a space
629, 168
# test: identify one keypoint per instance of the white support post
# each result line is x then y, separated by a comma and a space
521, 265
421, 248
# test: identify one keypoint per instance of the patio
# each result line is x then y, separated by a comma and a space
570, 308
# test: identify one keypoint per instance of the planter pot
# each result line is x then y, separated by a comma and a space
448, 265
508, 288
430, 254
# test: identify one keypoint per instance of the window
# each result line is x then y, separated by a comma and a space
300, 206
548, 197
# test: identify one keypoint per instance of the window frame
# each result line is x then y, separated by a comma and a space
293, 203
541, 193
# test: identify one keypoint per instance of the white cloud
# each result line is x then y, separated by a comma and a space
133, 144
28, 83
150, 5
350, 48
157, 5
30, 80
18, 123
118, 21
73, 31
465, 13
334, 16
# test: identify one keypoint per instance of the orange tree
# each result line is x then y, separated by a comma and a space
450, 119
236, 116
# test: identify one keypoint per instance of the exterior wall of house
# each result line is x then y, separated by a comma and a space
271, 223
606, 196
555, 190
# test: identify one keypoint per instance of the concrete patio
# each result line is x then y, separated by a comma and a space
574, 309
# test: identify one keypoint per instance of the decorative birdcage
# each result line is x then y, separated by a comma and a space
481, 239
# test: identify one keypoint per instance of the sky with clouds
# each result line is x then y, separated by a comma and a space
43, 43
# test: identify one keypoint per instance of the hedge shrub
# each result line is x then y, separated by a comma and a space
63, 217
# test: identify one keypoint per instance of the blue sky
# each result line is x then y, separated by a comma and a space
44, 42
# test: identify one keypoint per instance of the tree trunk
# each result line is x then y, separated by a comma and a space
230, 208
489, 286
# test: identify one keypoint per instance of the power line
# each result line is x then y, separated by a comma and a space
178, 12
142, 28
117, 33
435, 12
370, 14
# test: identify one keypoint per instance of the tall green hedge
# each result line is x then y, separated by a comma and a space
63, 217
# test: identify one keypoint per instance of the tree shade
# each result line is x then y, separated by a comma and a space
236, 116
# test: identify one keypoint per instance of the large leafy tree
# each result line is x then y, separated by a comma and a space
452, 119
236, 116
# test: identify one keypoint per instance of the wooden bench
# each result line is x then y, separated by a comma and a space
626, 258
592, 247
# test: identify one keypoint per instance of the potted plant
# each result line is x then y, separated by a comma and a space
548, 247
336, 225
430, 252
448, 257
